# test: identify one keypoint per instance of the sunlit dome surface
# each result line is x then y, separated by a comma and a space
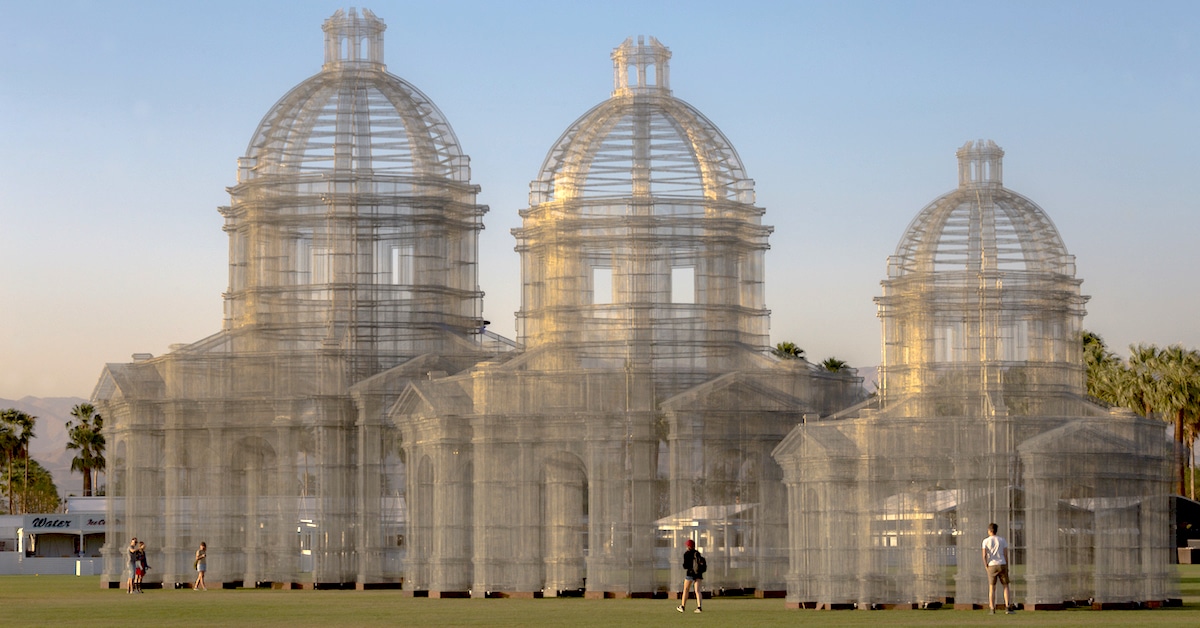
981, 225
981, 281
354, 115
642, 142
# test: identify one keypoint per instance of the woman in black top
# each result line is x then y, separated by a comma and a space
692, 576
140, 565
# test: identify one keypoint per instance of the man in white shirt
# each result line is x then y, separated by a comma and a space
995, 560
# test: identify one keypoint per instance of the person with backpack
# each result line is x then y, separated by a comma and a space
694, 567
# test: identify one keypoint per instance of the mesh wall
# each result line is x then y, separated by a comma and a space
354, 423
643, 408
981, 418
352, 253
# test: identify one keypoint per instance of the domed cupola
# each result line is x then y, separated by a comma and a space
642, 234
642, 142
353, 226
981, 290
354, 116
982, 226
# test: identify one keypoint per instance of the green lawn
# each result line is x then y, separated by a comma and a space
71, 601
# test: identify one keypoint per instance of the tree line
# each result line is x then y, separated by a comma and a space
27, 486
789, 351
1160, 383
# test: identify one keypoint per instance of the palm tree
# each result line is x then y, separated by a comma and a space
38, 492
1193, 431
1179, 394
8, 446
15, 435
834, 365
16, 432
1141, 391
26, 423
788, 351
1165, 383
86, 437
1106, 373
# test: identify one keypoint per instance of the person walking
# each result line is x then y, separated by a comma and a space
201, 565
995, 560
694, 567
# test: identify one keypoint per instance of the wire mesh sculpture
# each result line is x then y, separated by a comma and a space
352, 249
643, 408
354, 423
981, 417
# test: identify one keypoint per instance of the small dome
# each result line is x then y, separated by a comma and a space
354, 116
981, 226
642, 142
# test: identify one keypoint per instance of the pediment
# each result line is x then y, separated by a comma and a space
748, 391
124, 382
1081, 436
430, 399
825, 439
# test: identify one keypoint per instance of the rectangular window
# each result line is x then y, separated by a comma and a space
1014, 342
683, 284
322, 265
947, 343
302, 259
401, 262
602, 286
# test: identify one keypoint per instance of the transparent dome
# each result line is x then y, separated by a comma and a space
354, 116
642, 142
980, 284
981, 417
981, 226
642, 224
353, 264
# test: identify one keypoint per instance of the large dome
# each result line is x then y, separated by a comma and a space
642, 142
354, 116
981, 297
981, 226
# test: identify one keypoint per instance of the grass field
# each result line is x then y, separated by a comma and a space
72, 601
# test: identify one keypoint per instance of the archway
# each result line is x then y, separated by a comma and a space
565, 524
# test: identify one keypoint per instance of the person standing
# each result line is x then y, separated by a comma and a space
201, 566
693, 575
145, 564
133, 564
140, 566
995, 560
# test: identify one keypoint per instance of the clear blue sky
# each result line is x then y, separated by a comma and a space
121, 123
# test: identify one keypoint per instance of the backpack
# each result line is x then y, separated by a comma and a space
700, 564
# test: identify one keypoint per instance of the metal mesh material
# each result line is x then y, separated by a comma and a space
352, 251
353, 422
644, 408
981, 418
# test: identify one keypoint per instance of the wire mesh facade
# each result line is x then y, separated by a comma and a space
354, 423
643, 409
352, 250
981, 418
